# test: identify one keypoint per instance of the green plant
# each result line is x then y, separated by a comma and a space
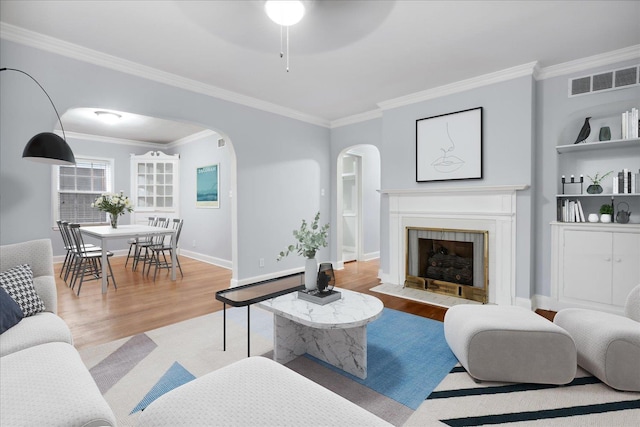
310, 238
606, 209
115, 204
597, 179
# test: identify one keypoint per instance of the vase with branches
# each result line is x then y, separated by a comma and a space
310, 237
595, 187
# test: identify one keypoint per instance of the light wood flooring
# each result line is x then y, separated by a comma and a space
140, 304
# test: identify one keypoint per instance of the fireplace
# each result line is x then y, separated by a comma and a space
447, 261
492, 209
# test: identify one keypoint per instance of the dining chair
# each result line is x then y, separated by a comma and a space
72, 252
88, 263
142, 253
133, 243
164, 249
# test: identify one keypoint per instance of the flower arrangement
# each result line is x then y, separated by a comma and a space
310, 238
113, 204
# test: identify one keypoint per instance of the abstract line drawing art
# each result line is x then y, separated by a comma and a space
449, 146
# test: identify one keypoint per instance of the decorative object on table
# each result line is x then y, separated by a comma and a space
584, 132
605, 133
47, 147
605, 213
449, 146
207, 185
113, 204
310, 238
326, 277
320, 298
595, 187
622, 216
593, 217
573, 181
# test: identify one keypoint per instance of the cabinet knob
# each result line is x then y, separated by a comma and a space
607, 259
618, 260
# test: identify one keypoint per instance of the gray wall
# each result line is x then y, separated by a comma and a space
507, 160
206, 233
279, 160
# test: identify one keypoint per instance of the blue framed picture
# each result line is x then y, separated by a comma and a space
207, 186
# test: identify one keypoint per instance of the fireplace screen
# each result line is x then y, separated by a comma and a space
451, 262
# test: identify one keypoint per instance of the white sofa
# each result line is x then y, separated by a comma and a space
43, 381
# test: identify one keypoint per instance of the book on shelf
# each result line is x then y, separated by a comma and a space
630, 124
571, 211
626, 182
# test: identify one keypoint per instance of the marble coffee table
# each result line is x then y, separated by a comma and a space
335, 333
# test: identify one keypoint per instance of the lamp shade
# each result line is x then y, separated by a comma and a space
47, 147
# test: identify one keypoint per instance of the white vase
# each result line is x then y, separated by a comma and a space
310, 274
593, 217
605, 218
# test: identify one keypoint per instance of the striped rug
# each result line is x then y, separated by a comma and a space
459, 401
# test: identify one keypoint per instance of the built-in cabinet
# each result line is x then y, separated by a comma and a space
350, 207
594, 265
155, 185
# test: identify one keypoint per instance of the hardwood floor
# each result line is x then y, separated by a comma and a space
140, 304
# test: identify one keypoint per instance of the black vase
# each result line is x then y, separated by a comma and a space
605, 133
594, 189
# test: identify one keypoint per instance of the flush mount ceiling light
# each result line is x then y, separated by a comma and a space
284, 13
108, 117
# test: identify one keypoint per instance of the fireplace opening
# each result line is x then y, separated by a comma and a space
450, 262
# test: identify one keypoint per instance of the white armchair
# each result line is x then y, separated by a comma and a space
608, 345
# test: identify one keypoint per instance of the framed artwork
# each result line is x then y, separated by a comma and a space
449, 146
207, 186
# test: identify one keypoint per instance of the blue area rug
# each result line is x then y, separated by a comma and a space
174, 377
407, 357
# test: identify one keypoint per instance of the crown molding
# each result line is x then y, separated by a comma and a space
74, 51
607, 58
109, 139
193, 138
356, 118
461, 86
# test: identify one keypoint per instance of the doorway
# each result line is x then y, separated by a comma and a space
351, 207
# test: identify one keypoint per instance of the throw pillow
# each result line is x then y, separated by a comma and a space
10, 312
18, 282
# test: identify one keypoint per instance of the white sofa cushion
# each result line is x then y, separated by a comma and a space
38, 329
252, 392
48, 385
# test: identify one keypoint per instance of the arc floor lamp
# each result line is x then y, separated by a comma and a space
47, 147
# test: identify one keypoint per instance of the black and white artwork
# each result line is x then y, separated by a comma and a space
449, 146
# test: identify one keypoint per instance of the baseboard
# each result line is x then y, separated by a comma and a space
206, 258
371, 256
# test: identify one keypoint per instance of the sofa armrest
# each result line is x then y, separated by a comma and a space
37, 253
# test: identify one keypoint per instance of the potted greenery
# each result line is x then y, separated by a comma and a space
605, 213
309, 238
595, 187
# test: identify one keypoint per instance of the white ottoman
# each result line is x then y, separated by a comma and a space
608, 345
510, 344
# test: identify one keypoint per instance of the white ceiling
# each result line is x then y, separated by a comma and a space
346, 57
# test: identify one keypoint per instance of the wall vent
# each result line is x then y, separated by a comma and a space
221, 143
605, 81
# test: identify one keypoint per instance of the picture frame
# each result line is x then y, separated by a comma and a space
208, 186
449, 146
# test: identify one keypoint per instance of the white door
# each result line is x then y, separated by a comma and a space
350, 207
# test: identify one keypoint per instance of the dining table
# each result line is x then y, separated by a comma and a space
105, 233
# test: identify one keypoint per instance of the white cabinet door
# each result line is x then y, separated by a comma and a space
587, 266
155, 185
626, 265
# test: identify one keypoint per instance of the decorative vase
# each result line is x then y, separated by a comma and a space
605, 218
114, 220
594, 189
311, 274
605, 133
593, 217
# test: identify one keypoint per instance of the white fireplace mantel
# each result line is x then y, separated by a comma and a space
486, 208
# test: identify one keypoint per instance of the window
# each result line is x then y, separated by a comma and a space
77, 186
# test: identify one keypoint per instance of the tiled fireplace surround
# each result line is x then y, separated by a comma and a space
465, 208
